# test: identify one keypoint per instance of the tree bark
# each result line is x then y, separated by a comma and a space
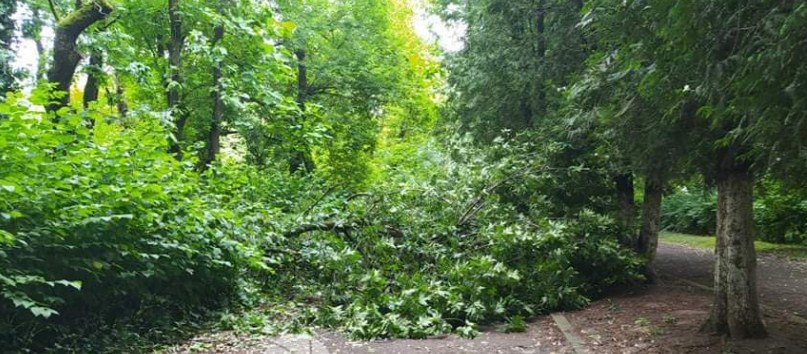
175, 47
647, 242
214, 135
735, 311
300, 159
65, 55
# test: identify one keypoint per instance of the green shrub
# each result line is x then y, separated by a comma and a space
780, 215
690, 210
102, 226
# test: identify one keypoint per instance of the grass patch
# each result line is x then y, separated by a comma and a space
793, 252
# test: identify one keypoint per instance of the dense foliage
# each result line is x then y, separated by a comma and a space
107, 219
295, 163
269, 162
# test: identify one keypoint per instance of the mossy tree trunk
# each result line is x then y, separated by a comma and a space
65, 55
647, 242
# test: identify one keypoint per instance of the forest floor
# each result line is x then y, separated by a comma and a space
659, 318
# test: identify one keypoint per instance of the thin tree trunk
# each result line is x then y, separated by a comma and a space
647, 242
175, 47
627, 207
540, 27
735, 311
123, 107
95, 70
6, 35
65, 55
300, 159
214, 136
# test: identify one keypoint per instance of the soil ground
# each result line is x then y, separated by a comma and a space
660, 318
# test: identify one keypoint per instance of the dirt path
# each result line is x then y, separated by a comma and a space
782, 283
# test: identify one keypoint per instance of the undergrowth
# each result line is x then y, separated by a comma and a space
107, 240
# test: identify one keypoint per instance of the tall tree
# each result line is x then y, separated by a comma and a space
213, 144
175, 46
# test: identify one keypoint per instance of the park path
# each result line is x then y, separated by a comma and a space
782, 283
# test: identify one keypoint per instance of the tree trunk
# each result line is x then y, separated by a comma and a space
93, 75
65, 55
7, 8
175, 47
300, 159
627, 207
214, 136
735, 311
120, 99
647, 242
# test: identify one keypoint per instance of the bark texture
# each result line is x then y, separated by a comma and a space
65, 55
735, 311
647, 242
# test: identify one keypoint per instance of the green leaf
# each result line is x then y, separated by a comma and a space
43, 312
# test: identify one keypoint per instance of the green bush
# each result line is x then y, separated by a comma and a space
692, 211
780, 215
102, 226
